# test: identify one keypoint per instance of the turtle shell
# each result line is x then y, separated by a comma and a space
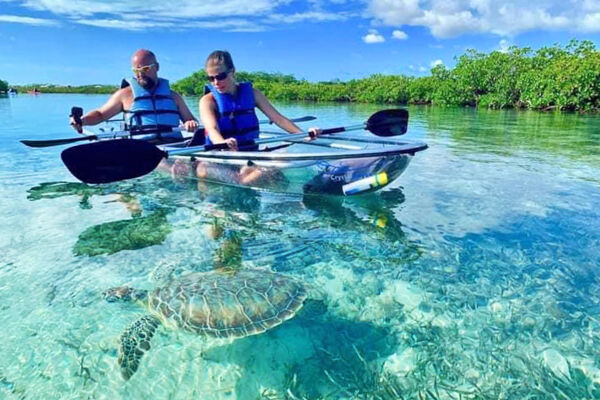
224, 305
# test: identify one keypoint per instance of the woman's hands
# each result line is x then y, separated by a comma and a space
191, 125
231, 143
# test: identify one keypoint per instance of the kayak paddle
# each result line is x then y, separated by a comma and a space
392, 122
127, 133
92, 137
114, 160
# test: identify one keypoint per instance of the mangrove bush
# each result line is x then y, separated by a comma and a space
563, 78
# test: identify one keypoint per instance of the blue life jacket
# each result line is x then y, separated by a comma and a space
153, 111
236, 114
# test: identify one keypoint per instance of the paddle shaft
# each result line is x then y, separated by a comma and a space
331, 131
382, 123
92, 136
303, 137
284, 137
125, 133
360, 140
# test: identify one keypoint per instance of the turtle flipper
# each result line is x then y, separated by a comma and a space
135, 341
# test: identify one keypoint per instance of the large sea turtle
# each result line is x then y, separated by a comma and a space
215, 303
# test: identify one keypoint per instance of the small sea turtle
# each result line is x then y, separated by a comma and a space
215, 303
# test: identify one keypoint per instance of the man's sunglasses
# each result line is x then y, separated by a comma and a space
143, 69
218, 77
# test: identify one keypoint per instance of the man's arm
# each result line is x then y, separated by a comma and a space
112, 107
189, 121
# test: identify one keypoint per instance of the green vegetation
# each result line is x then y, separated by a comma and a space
551, 78
3, 86
88, 89
562, 78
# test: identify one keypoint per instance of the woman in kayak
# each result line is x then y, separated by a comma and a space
228, 115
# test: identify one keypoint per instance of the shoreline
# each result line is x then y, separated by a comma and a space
555, 78
23, 90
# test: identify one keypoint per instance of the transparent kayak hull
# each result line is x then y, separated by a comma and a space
333, 168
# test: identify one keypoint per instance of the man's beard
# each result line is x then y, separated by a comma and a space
147, 83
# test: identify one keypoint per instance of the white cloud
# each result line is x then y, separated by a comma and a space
503, 46
591, 23
443, 18
515, 20
450, 18
120, 24
28, 20
231, 15
417, 69
400, 35
307, 16
373, 37
157, 8
236, 25
228, 15
450, 25
591, 5
395, 12
436, 63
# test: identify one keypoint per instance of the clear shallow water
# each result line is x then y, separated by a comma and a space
475, 275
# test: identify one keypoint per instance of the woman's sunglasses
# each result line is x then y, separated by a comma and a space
218, 77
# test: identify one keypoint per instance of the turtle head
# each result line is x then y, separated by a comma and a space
124, 293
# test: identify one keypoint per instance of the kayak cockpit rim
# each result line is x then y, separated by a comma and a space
400, 148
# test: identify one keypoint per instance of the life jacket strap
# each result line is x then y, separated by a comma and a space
153, 97
238, 131
235, 113
146, 112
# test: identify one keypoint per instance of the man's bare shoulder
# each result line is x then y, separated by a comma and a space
124, 96
176, 95
120, 100
126, 92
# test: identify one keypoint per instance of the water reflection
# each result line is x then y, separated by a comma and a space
130, 234
508, 132
52, 190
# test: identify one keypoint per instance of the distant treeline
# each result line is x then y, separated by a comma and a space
88, 89
556, 77
563, 78
3, 86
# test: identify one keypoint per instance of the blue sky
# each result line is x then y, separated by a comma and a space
90, 41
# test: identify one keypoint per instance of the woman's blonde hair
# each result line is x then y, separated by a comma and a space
220, 57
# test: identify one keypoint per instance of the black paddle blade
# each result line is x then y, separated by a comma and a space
112, 160
56, 142
388, 122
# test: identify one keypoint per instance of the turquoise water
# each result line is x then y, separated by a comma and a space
473, 276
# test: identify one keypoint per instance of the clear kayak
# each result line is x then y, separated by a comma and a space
346, 165
330, 164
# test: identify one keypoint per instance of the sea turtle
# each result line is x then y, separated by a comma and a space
216, 303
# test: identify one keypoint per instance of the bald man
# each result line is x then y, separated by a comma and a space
148, 102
